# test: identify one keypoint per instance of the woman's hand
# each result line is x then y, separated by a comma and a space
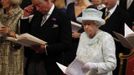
85, 68
6, 31
12, 34
76, 34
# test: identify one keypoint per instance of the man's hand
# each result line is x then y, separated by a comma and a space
85, 68
28, 10
39, 48
6, 31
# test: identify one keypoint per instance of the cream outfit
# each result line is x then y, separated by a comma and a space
11, 58
98, 52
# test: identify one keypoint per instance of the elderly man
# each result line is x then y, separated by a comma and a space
52, 26
128, 5
115, 18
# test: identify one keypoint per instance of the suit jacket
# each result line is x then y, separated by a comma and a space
116, 21
56, 31
130, 10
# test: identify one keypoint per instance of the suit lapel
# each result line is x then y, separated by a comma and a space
131, 6
51, 19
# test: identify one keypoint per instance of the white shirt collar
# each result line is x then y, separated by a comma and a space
111, 11
51, 10
48, 15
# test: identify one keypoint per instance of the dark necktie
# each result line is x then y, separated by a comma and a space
106, 15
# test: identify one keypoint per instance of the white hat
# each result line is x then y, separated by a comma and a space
92, 14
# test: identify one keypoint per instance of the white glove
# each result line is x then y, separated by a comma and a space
86, 67
89, 66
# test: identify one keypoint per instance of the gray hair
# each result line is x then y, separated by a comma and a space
97, 23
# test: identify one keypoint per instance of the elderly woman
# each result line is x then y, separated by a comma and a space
11, 57
74, 10
96, 49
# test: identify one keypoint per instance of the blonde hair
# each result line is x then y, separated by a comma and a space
16, 2
59, 3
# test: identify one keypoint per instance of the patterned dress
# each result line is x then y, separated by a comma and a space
11, 56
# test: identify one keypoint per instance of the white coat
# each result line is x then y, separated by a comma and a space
98, 52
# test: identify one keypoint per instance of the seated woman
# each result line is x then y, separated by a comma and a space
96, 49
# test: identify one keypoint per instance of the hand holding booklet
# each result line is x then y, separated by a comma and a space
128, 39
75, 68
75, 26
26, 40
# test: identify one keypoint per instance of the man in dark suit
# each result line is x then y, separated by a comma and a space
128, 5
115, 18
52, 26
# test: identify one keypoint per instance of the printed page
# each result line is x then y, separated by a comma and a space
130, 39
75, 26
75, 68
62, 67
127, 31
123, 40
29, 40
26, 40
12, 39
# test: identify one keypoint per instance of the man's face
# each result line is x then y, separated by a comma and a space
41, 6
96, 2
110, 3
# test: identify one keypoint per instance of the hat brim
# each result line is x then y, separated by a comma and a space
100, 20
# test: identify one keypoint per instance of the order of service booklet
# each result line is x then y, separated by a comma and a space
26, 39
128, 39
75, 26
75, 68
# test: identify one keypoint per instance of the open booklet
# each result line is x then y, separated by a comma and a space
26, 39
75, 68
62, 67
128, 39
75, 26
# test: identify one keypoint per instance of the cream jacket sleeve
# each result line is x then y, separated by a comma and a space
108, 52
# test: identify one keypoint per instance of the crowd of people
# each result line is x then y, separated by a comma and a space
93, 44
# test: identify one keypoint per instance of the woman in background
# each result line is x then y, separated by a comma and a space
11, 54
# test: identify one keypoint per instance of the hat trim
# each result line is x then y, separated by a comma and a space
100, 20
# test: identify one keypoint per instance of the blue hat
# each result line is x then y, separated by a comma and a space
93, 15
